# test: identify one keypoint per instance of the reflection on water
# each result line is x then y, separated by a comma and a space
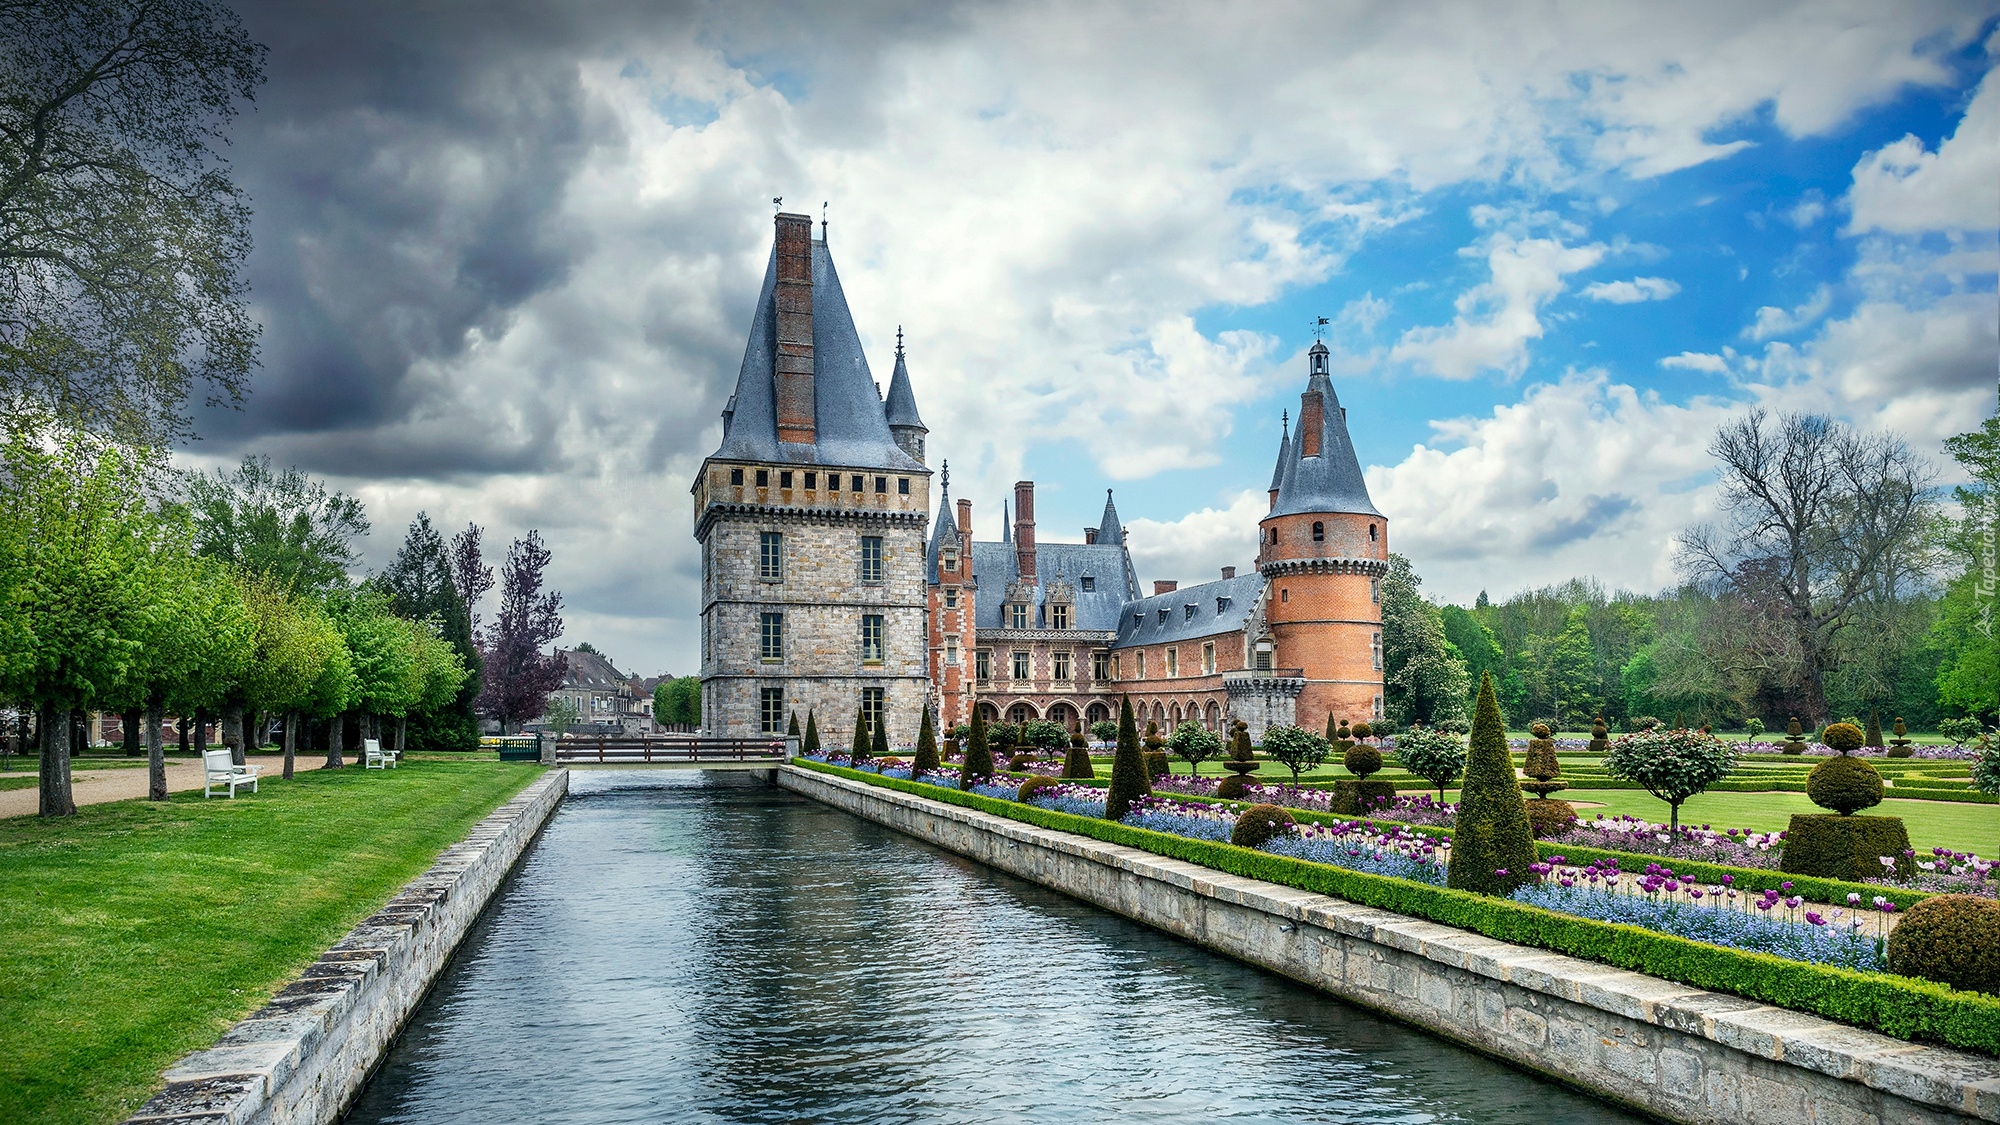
690, 947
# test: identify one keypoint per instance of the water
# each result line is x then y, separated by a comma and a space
705, 948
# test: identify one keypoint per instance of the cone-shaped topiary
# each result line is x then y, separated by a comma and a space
1845, 785
793, 730
927, 752
1259, 823
858, 750
879, 747
811, 744
1951, 939
1241, 763
1128, 768
1330, 729
1492, 844
978, 756
1076, 764
1874, 730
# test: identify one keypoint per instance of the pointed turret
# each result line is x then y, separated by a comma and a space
1322, 474
901, 407
1006, 525
945, 533
1284, 455
1110, 529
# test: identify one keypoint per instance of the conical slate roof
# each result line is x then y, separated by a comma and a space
1110, 529
945, 532
1330, 481
1284, 453
850, 422
1006, 524
901, 405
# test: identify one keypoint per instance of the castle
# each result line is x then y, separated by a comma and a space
821, 594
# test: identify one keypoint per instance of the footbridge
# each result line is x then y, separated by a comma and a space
671, 752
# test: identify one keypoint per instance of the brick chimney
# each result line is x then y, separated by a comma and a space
1312, 418
1164, 586
1090, 535
1229, 572
792, 372
1024, 529
965, 518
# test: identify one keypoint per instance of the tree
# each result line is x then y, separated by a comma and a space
422, 587
380, 650
1475, 643
1104, 729
280, 523
1423, 679
519, 673
561, 715
1968, 673
1672, 765
1043, 735
122, 235
1434, 755
1194, 744
1128, 768
1492, 844
1820, 521
1295, 748
1569, 672
663, 704
469, 573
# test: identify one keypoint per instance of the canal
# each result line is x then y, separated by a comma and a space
702, 947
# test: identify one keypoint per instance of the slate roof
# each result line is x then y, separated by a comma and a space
944, 531
1330, 482
589, 671
1221, 606
1284, 453
850, 421
901, 405
1097, 610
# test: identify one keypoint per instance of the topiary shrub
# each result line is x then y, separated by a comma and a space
1548, 817
811, 744
1844, 847
1295, 748
1874, 734
926, 759
1363, 730
1019, 762
1029, 787
1541, 730
1362, 759
1241, 763
978, 755
1795, 737
1128, 768
1845, 785
1541, 765
1259, 823
1899, 746
1492, 844
1951, 939
1843, 737
1156, 764
1359, 798
879, 746
1672, 765
1600, 735
1077, 764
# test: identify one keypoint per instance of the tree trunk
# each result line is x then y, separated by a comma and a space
402, 728
335, 735
291, 741
232, 731
156, 755
130, 722
56, 732
200, 732
181, 733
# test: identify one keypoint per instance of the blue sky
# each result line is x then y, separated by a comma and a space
1559, 244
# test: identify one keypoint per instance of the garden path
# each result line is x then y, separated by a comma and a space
95, 787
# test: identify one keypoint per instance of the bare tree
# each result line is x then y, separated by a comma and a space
1820, 523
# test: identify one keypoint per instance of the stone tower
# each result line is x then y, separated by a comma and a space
1323, 551
811, 517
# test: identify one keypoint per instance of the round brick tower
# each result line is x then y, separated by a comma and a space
1323, 551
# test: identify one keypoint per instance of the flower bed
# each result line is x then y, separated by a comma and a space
1899, 1006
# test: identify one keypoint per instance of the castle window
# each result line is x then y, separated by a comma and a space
1062, 665
1221, 604
736, 476
948, 559
1089, 583
1019, 713
1375, 648
871, 638
1142, 663
1284, 595
763, 478
1274, 537
1059, 618
1264, 657
771, 710
881, 484
854, 483
951, 597
951, 650
1100, 665
1020, 665
871, 558
1371, 533
1163, 615
1018, 614
1378, 706
1117, 663
872, 708
771, 637
771, 556
1188, 612
903, 485
1173, 662
1319, 532
982, 664
1208, 659
785, 479
812, 480
1375, 590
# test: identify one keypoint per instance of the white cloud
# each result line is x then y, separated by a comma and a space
1774, 321
1697, 361
1497, 318
1631, 292
1195, 547
1904, 188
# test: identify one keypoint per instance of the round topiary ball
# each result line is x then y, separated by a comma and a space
1843, 737
1845, 785
1539, 730
1548, 817
1363, 730
1259, 823
1951, 939
1033, 784
1362, 759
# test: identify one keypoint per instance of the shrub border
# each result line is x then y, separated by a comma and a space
1898, 1006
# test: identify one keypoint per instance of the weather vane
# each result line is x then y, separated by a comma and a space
777, 203
1319, 329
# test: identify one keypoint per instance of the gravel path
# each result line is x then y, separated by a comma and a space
94, 787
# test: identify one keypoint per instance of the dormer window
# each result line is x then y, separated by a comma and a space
1089, 583
1163, 616
1059, 619
1189, 610
1019, 615
949, 558
1221, 604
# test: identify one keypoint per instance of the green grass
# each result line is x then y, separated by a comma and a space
139, 931
1964, 827
17, 781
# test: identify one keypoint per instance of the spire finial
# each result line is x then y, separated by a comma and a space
899, 341
946, 481
822, 230
1319, 329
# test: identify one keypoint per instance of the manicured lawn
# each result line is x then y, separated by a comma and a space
136, 932
1965, 827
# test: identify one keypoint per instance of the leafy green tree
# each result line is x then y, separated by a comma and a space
1295, 748
422, 587
380, 650
1128, 767
1423, 679
201, 638
1434, 755
1043, 734
1194, 744
280, 523
1569, 672
1672, 765
561, 715
295, 642
122, 235
1968, 673
1492, 844
1104, 729
1476, 644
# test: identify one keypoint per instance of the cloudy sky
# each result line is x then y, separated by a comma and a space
506, 255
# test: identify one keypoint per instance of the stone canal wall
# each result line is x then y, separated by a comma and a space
302, 1058
1663, 1048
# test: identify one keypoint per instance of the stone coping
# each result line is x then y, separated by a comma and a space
304, 1056
1940, 1077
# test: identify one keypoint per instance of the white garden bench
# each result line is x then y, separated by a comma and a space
376, 758
219, 769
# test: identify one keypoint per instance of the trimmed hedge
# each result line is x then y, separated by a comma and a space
1893, 1005
1844, 847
